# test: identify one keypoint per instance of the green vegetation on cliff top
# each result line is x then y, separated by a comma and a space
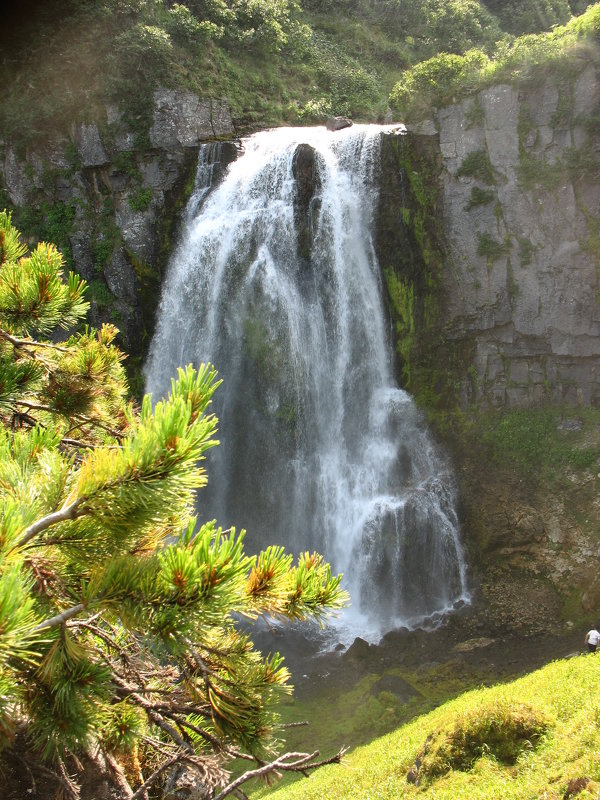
446, 77
526, 739
276, 61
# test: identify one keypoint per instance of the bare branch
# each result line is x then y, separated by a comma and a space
31, 343
72, 788
141, 791
66, 513
288, 762
60, 618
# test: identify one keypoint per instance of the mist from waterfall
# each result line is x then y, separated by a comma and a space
319, 449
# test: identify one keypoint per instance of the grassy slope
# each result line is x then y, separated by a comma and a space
566, 694
65, 60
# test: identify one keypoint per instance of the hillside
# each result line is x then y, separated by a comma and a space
275, 62
535, 737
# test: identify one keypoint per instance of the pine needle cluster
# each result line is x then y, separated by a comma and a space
118, 633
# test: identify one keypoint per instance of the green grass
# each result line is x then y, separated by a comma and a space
491, 248
520, 741
479, 197
546, 441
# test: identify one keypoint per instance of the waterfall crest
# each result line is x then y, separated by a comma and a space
276, 282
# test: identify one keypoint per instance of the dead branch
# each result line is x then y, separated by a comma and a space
288, 762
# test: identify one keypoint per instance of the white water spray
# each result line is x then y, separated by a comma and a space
319, 448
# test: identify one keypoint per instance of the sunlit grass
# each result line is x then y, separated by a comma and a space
566, 694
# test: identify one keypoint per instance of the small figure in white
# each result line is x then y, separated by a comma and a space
592, 639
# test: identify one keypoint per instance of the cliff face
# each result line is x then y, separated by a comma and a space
110, 197
488, 231
514, 250
488, 235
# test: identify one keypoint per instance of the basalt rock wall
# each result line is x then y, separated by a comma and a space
489, 232
110, 197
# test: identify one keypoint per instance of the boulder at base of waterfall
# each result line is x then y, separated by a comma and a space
337, 123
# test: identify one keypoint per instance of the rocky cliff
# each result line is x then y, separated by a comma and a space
488, 235
505, 228
488, 230
110, 197
489, 242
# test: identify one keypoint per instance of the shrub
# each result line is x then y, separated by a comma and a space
479, 197
437, 81
530, 16
477, 165
141, 201
502, 729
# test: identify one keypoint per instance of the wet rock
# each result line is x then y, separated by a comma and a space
89, 145
306, 203
358, 649
394, 684
338, 123
306, 174
472, 644
121, 278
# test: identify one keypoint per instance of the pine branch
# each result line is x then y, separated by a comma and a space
66, 513
153, 715
81, 417
21, 343
60, 618
83, 445
301, 763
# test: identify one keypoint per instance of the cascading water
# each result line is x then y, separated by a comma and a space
276, 282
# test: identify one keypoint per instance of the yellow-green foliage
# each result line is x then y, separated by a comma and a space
446, 77
402, 297
520, 741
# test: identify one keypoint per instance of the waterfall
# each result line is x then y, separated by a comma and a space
276, 282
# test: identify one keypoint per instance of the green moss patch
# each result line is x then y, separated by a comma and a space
500, 729
477, 165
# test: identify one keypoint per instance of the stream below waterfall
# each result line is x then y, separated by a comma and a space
276, 282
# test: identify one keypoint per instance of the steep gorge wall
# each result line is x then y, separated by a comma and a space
488, 236
111, 197
501, 210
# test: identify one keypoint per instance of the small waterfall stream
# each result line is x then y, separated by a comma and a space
276, 282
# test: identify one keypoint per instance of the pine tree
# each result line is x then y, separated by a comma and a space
118, 640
